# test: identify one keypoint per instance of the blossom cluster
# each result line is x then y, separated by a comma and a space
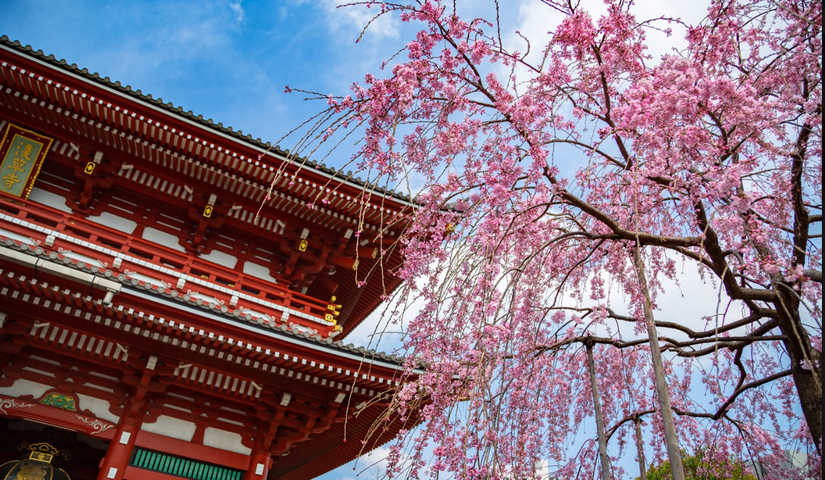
535, 194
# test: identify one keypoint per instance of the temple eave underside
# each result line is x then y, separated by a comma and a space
172, 292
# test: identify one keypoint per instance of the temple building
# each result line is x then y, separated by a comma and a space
174, 294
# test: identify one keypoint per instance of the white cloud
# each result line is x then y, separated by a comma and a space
239, 12
658, 42
536, 20
353, 19
372, 465
377, 333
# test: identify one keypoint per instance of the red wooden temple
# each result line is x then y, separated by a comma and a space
148, 323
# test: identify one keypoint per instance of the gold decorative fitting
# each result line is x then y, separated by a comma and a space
303, 245
22, 153
333, 311
43, 452
43, 457
207, 211
41, 462
90, 168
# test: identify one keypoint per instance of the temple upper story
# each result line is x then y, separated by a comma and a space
149, 195
173, 293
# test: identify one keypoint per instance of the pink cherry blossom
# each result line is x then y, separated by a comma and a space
561, 207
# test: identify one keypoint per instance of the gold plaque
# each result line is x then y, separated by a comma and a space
43, 457
21, 155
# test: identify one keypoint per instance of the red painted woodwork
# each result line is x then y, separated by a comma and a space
113, 466
171, 135
168, 333
134, 473
136, 347
78, 421
159, 257
293, 355
258, 458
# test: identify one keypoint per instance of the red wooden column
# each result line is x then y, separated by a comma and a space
141, 376
269, 416
259, 463
117, 457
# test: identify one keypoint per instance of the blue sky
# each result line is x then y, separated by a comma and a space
226, 60
230, 60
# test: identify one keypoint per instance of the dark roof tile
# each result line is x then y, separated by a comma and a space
138, 95
283, 328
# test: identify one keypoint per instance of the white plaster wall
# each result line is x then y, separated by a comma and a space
162, 238
84, 258
25, 387
221, 258
48, 198
21, 387
97, 406
171, 427
146, 278
213, 437
113, 221
258, 271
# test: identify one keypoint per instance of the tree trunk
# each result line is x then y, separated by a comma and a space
805, 363
605, 460
641, 449
673, 453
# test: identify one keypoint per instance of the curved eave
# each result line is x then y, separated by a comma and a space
352, 201
330, 449
251, 333
77, 76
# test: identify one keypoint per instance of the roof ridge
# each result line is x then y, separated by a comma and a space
169, 107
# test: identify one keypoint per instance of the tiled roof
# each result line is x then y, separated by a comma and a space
281, 330
189, 115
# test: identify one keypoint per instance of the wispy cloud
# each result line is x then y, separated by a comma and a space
353, 19
536, 21
239, 12
371, 465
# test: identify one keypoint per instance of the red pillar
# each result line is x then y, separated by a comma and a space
258, 465
113, 465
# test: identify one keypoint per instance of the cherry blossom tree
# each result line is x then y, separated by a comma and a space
559, 195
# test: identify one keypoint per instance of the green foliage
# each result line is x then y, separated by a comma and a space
696, 468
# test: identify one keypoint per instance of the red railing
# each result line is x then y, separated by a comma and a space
144, 261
